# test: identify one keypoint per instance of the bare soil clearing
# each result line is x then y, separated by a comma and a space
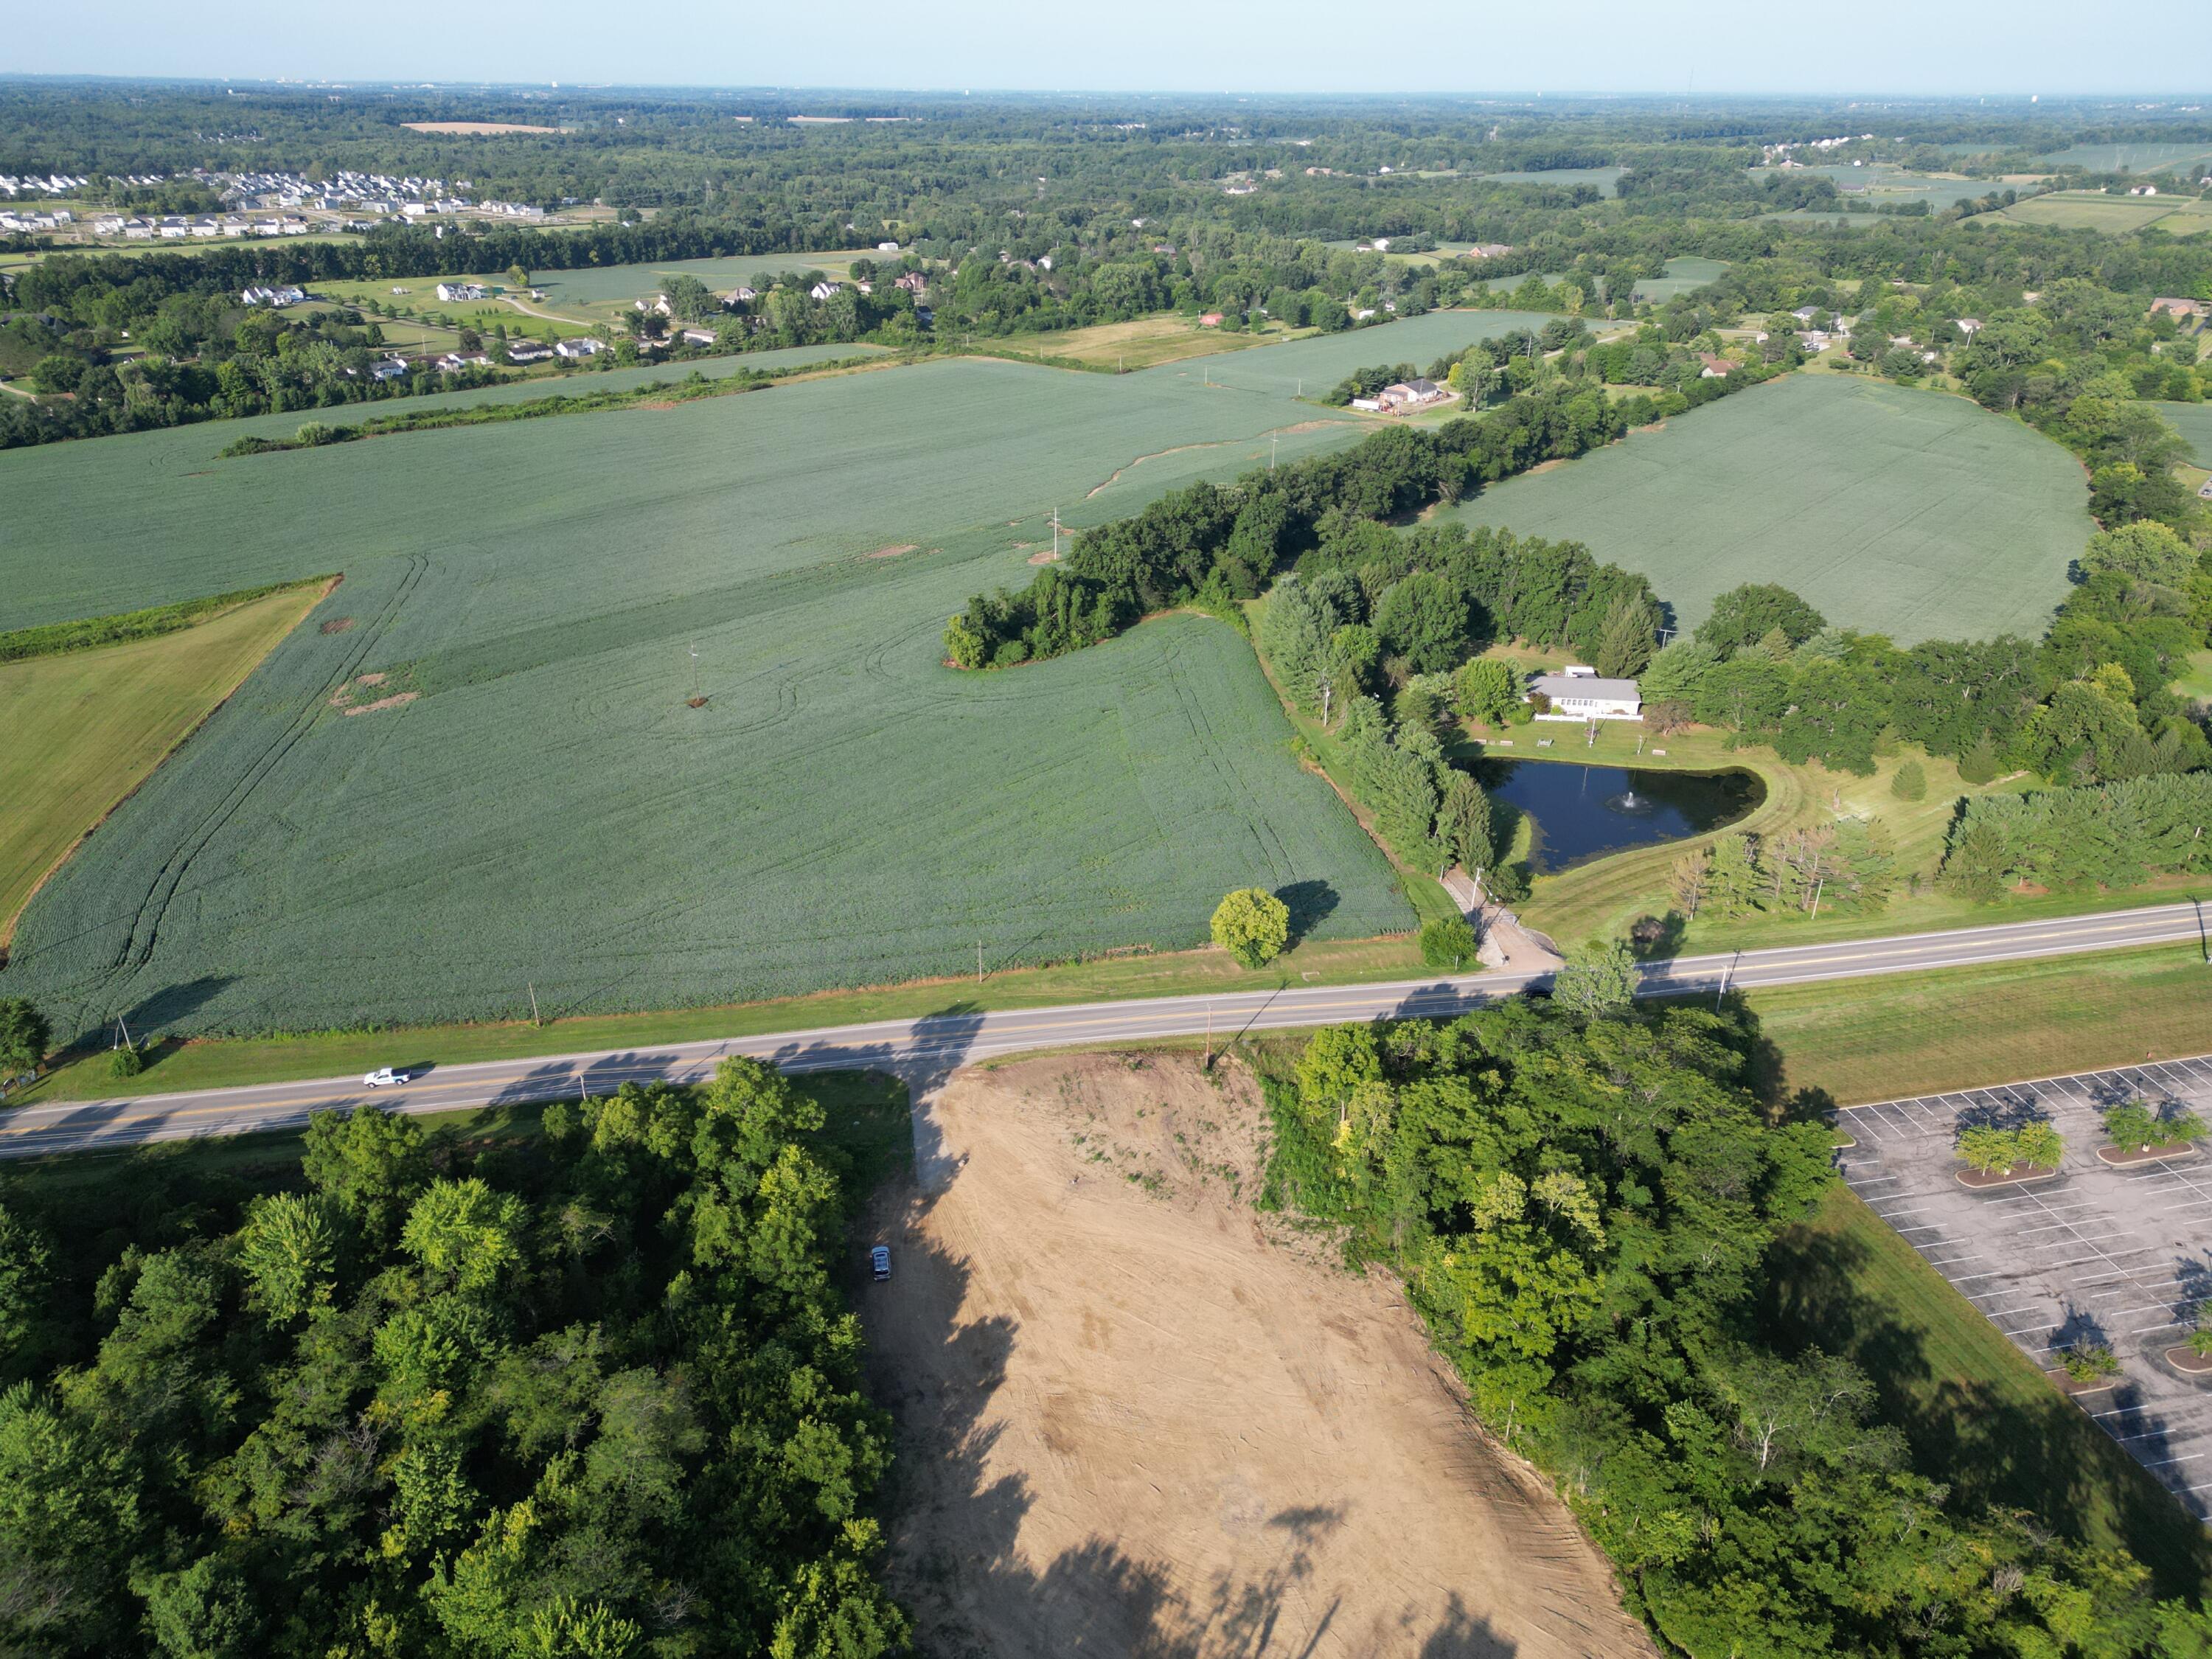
1136, 1417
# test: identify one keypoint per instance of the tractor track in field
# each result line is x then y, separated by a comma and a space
138, 945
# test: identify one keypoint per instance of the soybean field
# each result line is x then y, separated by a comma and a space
1896, 511
644, 707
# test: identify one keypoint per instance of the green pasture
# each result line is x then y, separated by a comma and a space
420, 296
1317, 363
547, 811
2071, 209
2193, 422
1608, 179
597, 285
1683, 276
1895, 184
2132, 157
1904, 512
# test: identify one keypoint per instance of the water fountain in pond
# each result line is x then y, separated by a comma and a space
1630, 804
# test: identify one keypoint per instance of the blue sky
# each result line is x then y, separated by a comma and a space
1707, 47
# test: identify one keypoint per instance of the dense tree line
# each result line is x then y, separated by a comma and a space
1579, 1200
595, 1394
1210, 543
2111, 834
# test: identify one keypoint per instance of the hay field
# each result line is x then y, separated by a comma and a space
546, 810
1316, 364
85, 727
1899, 512
1166, 337
2090, 211
2193, 422
1684, 275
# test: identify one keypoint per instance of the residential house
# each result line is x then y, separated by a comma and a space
1488, 251
582, 346
450, 292
1579, 693
699, 337
1968, 326
914, 282
2174, 306
656, 306
455, 361
1716, 369
389, 368
527, 351
1412, 394
109, 224
741, 295
822, 290
275, 298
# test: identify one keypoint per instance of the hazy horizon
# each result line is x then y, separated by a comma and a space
1888, 49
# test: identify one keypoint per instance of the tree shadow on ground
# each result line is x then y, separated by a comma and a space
1309, 903
954, 1523
2033, 1453
2004, 1109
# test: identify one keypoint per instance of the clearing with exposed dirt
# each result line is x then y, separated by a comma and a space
1136, 1416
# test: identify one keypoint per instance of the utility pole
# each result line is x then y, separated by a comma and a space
1817, 886
534, 1019
695, 671
1209, 1034
1721, 994
1272, 442
979, 962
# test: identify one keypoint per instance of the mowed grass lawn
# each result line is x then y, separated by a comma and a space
85, 728
1897, 511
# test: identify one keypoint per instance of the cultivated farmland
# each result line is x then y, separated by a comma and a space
2090, 211
85, 727
2133, 157
1684, 275
524, 798
1317, 364
2193, 422
1904, 512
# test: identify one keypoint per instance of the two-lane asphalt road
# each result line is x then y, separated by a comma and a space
926, 1048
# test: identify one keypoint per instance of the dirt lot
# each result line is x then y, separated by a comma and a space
1137, 1418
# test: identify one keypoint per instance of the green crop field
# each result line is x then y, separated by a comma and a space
2193, 422
603, 284
2135, 158
1899, 512
1879, 183
545, 810
1317, 364
1683, 276
1607, 179
85, 727
2090, 211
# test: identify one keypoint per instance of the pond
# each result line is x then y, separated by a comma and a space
1584, 812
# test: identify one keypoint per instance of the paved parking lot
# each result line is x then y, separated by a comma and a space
2121, 1257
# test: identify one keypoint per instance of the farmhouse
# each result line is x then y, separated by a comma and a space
275, 298
657, 307
2173, 306
914, 282
450, 292
1412, 394
1582, 694
391, 369
738, 295
1488, 251
581, 346
822, 290
453, 361
1716, 369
